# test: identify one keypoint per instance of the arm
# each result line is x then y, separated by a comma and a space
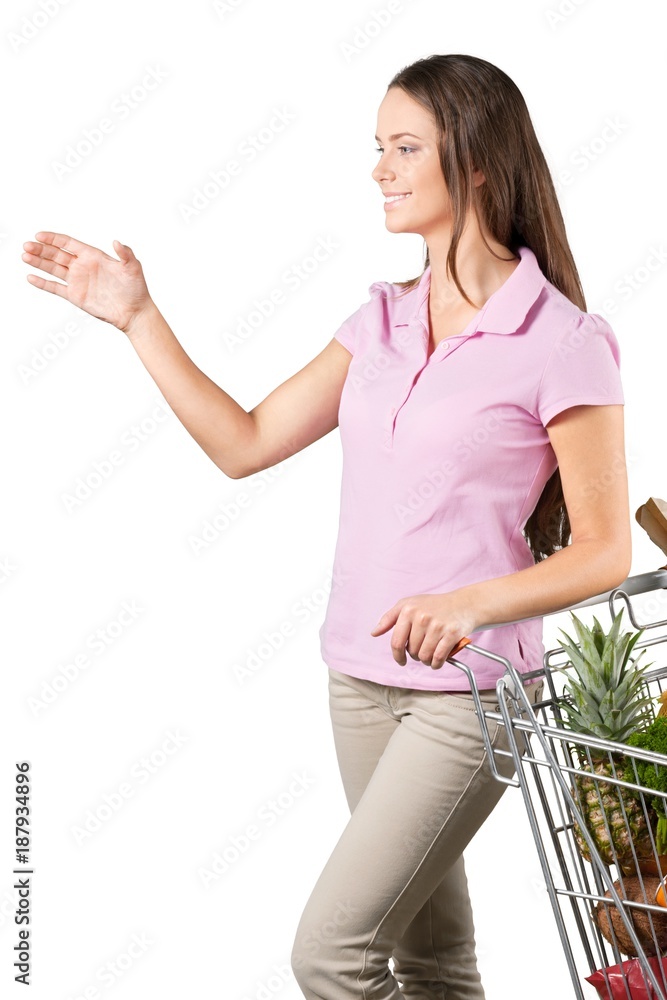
589, 445
588, 442
296, 413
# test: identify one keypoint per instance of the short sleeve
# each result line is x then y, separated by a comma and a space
583, 367
349, 330
346, 333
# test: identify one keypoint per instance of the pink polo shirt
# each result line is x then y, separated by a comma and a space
444, 459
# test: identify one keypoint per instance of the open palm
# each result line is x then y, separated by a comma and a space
111, 290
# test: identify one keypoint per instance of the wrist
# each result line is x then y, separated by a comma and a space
471, 601
141, 321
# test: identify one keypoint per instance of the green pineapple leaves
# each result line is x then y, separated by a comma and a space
606, 698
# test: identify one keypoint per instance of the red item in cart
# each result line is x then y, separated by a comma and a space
617, 981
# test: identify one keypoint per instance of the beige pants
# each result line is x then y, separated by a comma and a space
418, 784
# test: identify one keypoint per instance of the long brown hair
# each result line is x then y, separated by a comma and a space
482, 113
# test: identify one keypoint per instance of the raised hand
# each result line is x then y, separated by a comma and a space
111, 290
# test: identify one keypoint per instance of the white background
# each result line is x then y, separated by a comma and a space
198, 615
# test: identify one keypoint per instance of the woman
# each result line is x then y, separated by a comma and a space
474, 401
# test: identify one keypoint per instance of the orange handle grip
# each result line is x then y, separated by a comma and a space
459, 646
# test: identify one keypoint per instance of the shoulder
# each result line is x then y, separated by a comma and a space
383, 290
393, 302
380, 288
557, 320
387, 300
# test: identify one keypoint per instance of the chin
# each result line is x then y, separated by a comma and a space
401, 228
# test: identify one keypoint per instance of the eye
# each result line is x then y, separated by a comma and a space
410, 149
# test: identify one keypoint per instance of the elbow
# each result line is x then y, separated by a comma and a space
231, 471
242, 465
619, 578
624, 560
613, 562
234, 473
619, 571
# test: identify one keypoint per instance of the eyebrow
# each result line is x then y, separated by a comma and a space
398, 136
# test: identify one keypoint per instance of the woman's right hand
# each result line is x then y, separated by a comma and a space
111, 290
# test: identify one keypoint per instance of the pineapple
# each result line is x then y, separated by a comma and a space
606, 698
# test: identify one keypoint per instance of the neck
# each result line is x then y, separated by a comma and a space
479, 271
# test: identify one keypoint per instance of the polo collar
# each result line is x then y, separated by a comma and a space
506, 309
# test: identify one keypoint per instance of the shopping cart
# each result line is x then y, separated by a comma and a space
629, 960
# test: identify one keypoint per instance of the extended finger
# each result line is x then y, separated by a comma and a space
49, 252
43, 264
64, 242
48, 286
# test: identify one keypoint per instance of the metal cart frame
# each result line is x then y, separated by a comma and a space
547, 760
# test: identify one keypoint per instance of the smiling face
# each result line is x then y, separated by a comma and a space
409, 165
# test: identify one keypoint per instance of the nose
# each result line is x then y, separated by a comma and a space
382, 170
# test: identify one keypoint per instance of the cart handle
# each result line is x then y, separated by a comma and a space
459, 645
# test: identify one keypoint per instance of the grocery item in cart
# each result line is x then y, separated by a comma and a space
605, 697
652, 775
651, 930
618, 982
652, 516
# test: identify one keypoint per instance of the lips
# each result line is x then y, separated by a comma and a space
393, 201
